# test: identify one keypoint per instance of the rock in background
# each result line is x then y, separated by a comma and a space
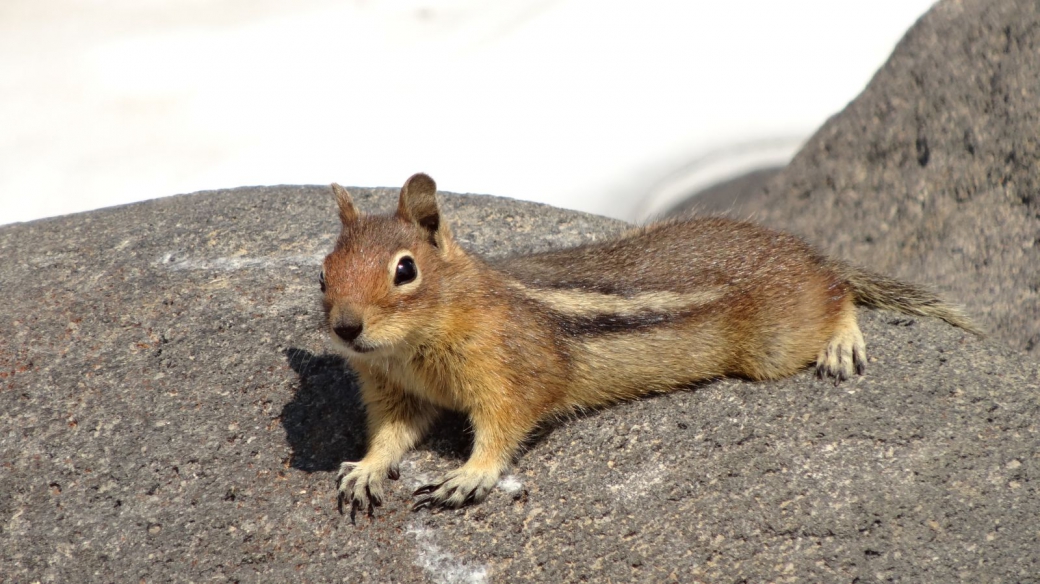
933, 173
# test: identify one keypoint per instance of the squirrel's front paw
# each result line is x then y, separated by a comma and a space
361, 486
459, 487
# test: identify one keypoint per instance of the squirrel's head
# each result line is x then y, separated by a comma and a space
383, 282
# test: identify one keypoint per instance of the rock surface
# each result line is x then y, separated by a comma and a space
169, 412
933, 172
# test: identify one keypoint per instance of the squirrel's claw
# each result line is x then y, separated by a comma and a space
360, 488
445, 501
458, 489
426, 489
355, 506
425, 502
448, 500
844, 355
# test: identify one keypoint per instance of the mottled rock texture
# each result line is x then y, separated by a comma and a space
933, 172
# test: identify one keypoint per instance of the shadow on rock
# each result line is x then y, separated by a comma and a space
325, 421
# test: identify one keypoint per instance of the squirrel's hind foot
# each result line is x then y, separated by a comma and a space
845, 353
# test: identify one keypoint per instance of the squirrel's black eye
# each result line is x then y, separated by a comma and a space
406, 271
321, 280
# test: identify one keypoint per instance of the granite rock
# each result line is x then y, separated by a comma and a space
170, 411
933, 172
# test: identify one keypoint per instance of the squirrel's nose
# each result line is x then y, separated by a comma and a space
348, 331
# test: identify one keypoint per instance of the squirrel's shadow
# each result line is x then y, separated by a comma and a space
325, 421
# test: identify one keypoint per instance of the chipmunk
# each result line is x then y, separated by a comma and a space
427, 325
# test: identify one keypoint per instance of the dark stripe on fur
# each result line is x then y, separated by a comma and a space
606, 324
609, 288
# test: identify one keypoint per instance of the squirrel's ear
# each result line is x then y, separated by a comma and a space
347, 212
418, 205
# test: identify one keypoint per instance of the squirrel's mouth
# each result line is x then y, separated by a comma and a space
359, 347
356, 346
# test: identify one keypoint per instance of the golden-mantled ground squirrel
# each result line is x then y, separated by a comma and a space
427, 325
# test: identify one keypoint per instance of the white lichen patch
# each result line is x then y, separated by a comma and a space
636, 485
510, 485
441, 566
176, 261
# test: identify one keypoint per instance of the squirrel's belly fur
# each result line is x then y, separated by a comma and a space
525, 339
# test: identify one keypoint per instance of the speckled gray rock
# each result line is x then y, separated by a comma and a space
169, 411
933, 172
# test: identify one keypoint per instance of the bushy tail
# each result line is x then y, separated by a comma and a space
877, 291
